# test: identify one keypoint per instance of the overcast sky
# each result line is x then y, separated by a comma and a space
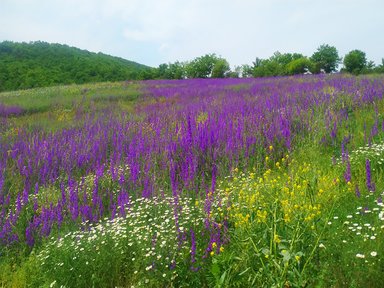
152, 32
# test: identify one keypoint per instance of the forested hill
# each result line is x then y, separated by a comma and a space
38, 64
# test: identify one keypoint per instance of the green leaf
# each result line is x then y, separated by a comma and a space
215, 270
245, 271
222, 278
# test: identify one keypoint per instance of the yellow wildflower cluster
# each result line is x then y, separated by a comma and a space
213, 247
299, 190
64, 115
243, 202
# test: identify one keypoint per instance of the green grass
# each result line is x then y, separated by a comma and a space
54, 108
65, 97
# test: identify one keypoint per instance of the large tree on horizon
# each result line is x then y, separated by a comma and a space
209, 65
327, 58
355, 61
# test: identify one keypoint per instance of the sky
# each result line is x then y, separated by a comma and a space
152, 32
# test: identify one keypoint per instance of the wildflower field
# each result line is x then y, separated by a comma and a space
271, 182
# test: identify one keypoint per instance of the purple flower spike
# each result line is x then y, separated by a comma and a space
370, 186
357, 191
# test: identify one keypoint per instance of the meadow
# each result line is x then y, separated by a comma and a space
269, 182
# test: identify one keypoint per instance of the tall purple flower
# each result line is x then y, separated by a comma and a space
370, 185
357, 191
30, 239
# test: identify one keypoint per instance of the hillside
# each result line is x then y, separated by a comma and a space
39, 64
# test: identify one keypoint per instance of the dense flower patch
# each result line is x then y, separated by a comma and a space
212, 157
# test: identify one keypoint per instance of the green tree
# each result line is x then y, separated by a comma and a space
147, 74
246, 71
380, 68
370, 67
220, 68
355, 61
201, 67
204, 66
283, 59
327, 58
258, 62
267, 68
275, 65
162, 71
300, 66
176, 70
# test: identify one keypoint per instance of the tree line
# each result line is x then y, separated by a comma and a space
325, 59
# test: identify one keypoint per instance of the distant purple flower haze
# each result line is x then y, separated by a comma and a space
7, 111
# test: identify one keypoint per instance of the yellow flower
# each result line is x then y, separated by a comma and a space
261, 215
297, 257
270, 147
287, 217
214, 245
212, 253
221, 249
276, 239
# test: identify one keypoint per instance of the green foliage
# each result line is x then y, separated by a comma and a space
40, 64
204, 66
267, 68
220, 69
246, 70
207, 66
355, 61
380, 68
147, 74
172, 71
327, 58
279, 64
299, 66
284, 59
